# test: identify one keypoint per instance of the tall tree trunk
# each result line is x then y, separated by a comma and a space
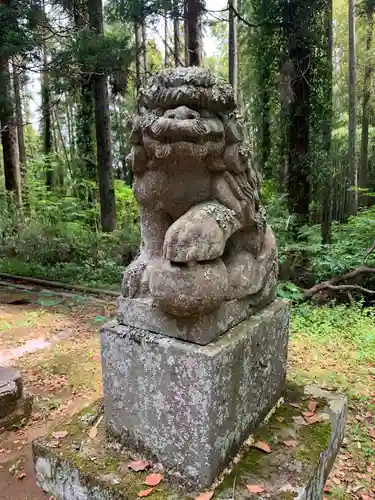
176, 34
138, 50
46, 113
144, 52
351, 180
265, 129
364, 173
103, 131
233, 47
166, 38
193, 31
85, 110
86, 130
186, 36
298, 134
327, 191
17, 83
9, 134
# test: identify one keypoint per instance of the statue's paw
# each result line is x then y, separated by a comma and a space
135, 282
192, 239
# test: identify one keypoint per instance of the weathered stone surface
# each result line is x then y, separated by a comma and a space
205, 240
297, 472
81, 468
192, 406
17, 414
10, 390
146, 314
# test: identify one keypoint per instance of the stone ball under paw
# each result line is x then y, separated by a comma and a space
193, 289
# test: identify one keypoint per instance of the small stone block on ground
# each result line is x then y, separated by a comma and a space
15, 403
74, 462
10, 388
192, 406
19, 414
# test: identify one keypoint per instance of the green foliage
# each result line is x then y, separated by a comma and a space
305, 260
352, 326
89, 53
58, 238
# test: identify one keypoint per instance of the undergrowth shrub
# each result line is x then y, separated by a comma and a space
337, 324
57, 238
306, 261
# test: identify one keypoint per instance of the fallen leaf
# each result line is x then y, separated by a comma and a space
139, 465
300, 420
291, 443
308, 413
2, 450
336, 480
206, 496
21, 476
59, 434
93, 432
280, 419
314, 419
254, 488
145, 493
153, 479
261, 445
312, 406
295, 405
365, 496
371, 433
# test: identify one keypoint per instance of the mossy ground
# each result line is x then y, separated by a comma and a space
99, 463
332, 347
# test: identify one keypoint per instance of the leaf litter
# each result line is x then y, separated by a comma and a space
153, 479
139, 465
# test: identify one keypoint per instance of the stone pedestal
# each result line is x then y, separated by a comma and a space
145, 313
191, 406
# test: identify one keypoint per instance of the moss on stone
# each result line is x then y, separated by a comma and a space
283, 472
294, 466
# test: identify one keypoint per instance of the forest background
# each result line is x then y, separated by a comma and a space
69, 78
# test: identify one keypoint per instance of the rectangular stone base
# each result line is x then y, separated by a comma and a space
78, 467
192, 406
147, 315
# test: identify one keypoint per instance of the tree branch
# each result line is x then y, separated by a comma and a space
332, 283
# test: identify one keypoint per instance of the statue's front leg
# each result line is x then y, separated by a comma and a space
201, 233
154, 225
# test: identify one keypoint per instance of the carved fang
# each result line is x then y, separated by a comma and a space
162, 151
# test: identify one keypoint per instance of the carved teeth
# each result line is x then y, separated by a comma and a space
163, 150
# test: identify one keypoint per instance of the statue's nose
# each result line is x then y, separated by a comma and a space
182, 113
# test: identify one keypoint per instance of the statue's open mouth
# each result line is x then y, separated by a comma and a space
195, 140
196, 131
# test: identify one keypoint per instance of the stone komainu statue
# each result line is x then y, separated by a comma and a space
204, 235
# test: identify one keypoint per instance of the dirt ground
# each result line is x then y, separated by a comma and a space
54, 341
